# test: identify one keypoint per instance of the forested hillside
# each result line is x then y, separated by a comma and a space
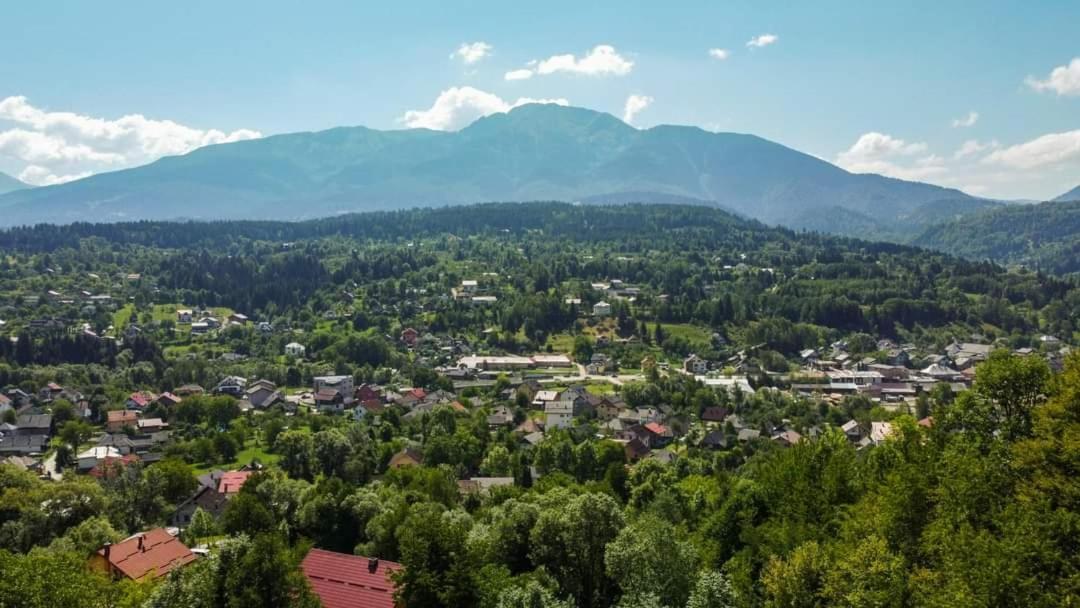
1044, 236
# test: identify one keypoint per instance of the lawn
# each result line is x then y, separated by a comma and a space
163, 312
692, 333
245, 456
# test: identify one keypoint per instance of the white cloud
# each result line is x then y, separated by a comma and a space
59, 146
37, 175
1063, 80
602, 60
634, 105
720, 54
1046, 150
762, 40
522, 74
471, 52
973, 147
456, 107
967, 121
881, 153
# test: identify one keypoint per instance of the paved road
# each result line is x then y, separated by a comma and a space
49, 468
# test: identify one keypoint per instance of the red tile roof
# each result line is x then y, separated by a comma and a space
656, 428
232, 481
141, 399
347, 581
161, 552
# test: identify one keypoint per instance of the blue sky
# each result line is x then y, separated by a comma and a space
873, 86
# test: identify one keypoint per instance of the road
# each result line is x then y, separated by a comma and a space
48, 467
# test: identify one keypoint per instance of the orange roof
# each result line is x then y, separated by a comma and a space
154, 553
121, 416
232, 481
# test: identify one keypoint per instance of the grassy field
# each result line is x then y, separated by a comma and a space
245, 456
692, 333
163, 312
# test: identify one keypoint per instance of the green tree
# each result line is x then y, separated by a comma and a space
633, 561
570, 541
297, 450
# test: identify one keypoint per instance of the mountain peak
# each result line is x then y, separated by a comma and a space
550, 117
10, 184
1071, 195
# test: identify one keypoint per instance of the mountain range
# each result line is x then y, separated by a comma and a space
10, 184
533, 152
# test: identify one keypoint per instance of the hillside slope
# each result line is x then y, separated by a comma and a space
1046, 236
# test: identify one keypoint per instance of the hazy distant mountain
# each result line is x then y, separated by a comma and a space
8, 183
535, 152
1071, 195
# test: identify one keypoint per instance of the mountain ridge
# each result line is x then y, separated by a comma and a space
533, 152
10, 184
1071, 195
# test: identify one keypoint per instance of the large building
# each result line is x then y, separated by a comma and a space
350, 581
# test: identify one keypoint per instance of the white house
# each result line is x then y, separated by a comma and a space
295, 349
695, 365
95, 456
343, 385
558, 414
601, 309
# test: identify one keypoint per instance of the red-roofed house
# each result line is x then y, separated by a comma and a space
150, 554
659, 434
138, 401
111, 466
349, 581
231, 481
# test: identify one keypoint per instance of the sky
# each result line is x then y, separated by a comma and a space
982, 96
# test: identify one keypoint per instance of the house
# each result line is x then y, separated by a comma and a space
695, 365
342, 384
880, 431
238, 319
117, 420
295, 349
184, 316
659, 435
96, 455
409, 336
144, 556
34, 424
714, 414
262, 394
168, 399
552, 361
714, 440
231, 481
544, 396
558, 414
150, 425
189, 390
635, 449
407, 457
787, 438
231, 385
599, 364
601, 309
350, 581
206, 498
139, 400
500, 416
23, 445
329, 400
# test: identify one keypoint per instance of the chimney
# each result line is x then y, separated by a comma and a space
108, 549
373, 565
140, 543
